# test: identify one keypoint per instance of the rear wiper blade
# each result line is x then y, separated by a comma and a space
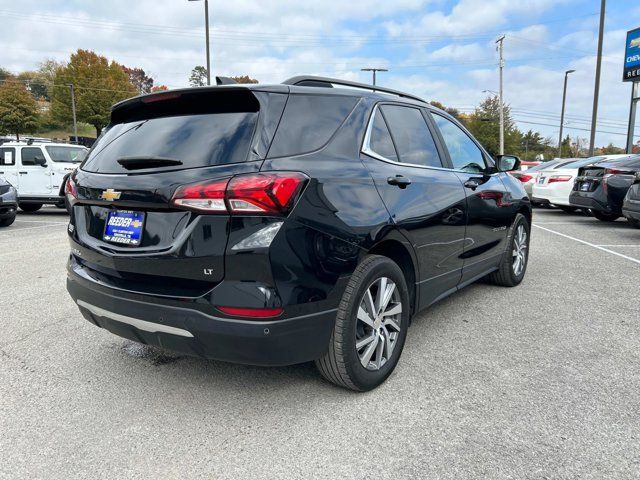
138, 163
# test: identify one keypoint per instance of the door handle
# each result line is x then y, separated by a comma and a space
399, 181
472, 183
23, 173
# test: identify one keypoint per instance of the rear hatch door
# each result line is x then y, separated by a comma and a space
127, 233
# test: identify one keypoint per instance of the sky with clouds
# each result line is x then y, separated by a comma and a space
439, 49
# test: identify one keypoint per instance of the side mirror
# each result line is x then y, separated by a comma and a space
38, 160
507, 163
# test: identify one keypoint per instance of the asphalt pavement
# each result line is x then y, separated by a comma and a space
538, 381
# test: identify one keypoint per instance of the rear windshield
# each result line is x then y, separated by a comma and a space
67, 154
193, 140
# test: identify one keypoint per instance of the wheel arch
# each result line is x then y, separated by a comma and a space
402, 254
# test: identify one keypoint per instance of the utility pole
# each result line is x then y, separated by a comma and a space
564, 99
596, 90
73, 111
374, 70
206, 26
500, 43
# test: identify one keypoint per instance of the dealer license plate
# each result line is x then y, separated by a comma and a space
124, 227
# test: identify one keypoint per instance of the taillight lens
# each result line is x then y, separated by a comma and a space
205, 197
559, 178
70, 187
524, 178
271, 193
616, 171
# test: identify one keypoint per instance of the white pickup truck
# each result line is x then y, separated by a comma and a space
39, 170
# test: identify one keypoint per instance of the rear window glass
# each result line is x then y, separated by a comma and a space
66, 154
194, 140
309, 122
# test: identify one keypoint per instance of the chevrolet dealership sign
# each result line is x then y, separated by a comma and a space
632, 57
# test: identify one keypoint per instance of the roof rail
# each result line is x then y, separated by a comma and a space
313, 81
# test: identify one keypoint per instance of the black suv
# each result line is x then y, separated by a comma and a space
274, 225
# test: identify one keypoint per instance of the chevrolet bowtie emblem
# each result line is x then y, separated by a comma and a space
110, 195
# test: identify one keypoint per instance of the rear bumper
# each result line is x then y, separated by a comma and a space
596, 200
156, 321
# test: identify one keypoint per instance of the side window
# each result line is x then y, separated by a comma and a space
308, 122
28, 155
7, 156
380, 139
464, 153
411, 136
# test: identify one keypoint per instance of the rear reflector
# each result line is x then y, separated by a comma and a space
269, 193
251, 312
559, 178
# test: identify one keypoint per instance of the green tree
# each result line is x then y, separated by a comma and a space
610, 149
454, 112
484, 124
18, 109
198, 76
5, 74
98, 84
36, 83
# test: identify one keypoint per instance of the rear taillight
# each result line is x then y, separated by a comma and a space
70, 188
251, 312
616, 171
559, 178
524, 178
271, 193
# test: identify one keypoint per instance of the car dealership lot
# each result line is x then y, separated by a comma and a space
542, 380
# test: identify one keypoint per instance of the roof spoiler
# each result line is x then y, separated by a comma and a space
225, 81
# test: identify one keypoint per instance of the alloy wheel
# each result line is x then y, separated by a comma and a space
519, 250
378, 323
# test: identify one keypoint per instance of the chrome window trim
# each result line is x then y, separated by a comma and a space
366, 149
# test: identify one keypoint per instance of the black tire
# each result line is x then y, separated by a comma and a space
633, 222
7, 221
30, 207
342, 364
567, 209
506, 276
605, 217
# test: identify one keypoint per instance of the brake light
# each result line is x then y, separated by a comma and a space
524, 178
615, 171
272, 193
493, 195
203, 197
252, 312
159, 97
70, 188
559, 178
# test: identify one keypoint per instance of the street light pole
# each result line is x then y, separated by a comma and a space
374, 70
564, 99
596, 90
73, 111
206, 26
500, 43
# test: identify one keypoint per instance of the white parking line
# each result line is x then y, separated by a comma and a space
635, 260
618, 246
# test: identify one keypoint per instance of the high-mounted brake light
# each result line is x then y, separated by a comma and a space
268, 193
559, 178
159, 97
70, 188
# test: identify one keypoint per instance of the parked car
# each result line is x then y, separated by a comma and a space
554, 186
631, 204
602, 187
529, 176
8, 203
39, 170
274, 225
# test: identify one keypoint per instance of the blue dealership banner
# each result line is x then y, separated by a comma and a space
632, 57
